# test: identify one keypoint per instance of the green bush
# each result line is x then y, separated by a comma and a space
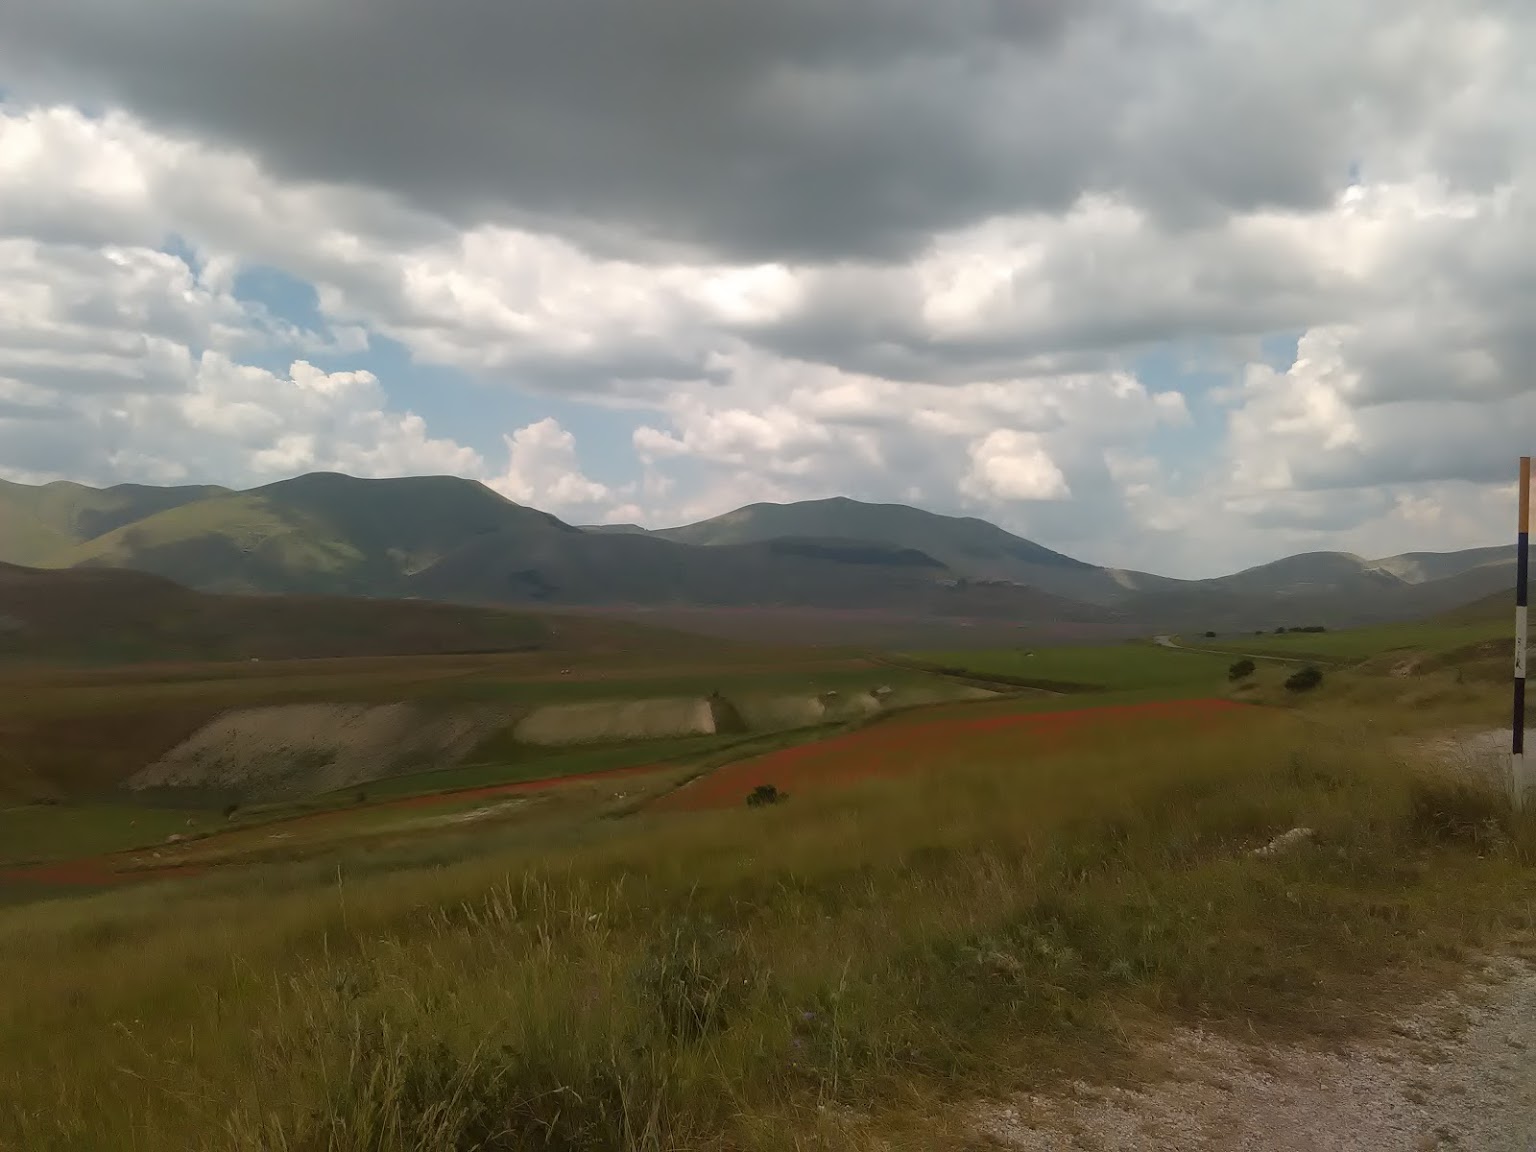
1304, 680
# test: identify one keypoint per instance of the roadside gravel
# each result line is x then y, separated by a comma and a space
1459, 1074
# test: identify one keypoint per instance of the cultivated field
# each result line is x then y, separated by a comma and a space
600, 945
1132, 667
1358, 644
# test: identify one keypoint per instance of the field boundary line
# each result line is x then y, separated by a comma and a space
1170, 642
992, 679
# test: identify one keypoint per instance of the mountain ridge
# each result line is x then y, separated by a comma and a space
454, 539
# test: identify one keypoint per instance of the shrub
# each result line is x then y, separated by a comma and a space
1304, 680
765, 794
1241, 670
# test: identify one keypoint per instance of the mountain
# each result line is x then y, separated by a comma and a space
1334, 587
617, 529
1423, 567
320, 533
1337, 571
41, 524
1340, 588
634, 569
448, 539
970, 548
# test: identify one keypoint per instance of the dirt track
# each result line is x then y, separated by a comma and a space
1458, 1074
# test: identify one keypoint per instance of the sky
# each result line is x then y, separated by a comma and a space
1174, 285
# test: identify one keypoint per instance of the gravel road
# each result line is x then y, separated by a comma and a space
1459, 1074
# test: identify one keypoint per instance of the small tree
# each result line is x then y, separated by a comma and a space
1304, 680
1243, 669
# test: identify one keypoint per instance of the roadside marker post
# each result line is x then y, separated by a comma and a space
1522, 599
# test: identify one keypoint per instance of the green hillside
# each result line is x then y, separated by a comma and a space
322, 533
968, 545
41, 524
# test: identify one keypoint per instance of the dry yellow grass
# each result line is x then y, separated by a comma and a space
713, 982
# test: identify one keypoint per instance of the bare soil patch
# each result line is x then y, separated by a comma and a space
303, 749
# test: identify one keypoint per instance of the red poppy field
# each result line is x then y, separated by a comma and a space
895, 748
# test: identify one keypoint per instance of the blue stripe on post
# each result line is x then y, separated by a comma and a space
1519, 741
1522, 596
1522, 568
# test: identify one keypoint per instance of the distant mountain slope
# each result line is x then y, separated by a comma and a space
40, 524
321, 533
625, 568
617, 529
1309, 573
1422, 567
960, 542
971, 548
453, 539
105, 616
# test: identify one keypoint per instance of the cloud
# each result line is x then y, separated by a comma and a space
225, 422
122, 363
941, 254
542, 471
802, 129
1317, 427
1010, 465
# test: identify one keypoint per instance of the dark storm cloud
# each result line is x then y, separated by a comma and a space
807, 129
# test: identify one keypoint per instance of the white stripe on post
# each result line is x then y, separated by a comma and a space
1521, 628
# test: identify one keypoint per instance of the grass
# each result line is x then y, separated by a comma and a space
58, 832
743, 980
513, 762
1137, 667
1356, 644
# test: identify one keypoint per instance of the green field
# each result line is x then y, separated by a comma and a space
1356, 644
56, 832
1138, 667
